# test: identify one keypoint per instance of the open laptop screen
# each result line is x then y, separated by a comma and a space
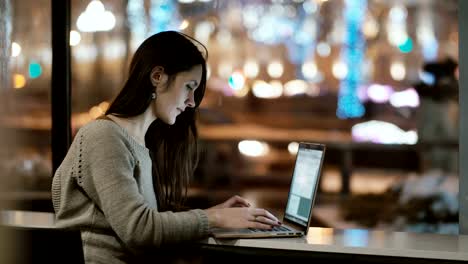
304, 183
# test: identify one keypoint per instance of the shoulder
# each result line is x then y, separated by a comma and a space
103, 133
101, 128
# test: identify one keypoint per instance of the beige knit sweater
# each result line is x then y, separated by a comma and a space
104, 187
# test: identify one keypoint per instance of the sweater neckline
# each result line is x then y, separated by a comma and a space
128, 136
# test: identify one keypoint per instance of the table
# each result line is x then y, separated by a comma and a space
352, 245
320, 244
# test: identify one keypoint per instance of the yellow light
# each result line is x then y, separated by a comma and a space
184, 25
95, 18
224, 37
104, 106
15, 49
295, 87
253, 148
95, 112
208, 71
293, 147
19, 81
262, 89
275, 69
251, 69
75, 38
370, 28
241, 92
277, 86
309, 69
398, 71
81, 119
340, 70
320, 235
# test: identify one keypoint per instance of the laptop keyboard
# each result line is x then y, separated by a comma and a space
276, 228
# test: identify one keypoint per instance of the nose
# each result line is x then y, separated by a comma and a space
190, 102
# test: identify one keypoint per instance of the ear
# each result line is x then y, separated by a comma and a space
157, 75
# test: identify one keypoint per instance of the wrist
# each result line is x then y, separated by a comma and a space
213, 217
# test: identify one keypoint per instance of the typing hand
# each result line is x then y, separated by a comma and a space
241, 217
234, 201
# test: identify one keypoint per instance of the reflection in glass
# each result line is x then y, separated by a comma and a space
355, 237
322, 236
25, 91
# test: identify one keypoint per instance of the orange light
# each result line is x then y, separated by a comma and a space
95, 112
104, 106
19, 81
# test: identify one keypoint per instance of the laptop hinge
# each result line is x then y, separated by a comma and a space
294, 225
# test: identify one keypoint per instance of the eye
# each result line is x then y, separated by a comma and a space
191, 85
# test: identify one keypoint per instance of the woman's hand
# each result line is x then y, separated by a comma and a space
234, 201
241, 217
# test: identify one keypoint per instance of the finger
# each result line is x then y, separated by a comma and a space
252, 218
228, 203
260, 225
240, 202
267, 221
240, 205
263, 212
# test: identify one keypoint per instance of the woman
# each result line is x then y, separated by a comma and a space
124, 178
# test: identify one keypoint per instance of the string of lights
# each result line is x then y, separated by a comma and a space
352, 53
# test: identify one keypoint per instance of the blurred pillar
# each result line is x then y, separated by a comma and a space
127, 38
5, 84
5, 44
5, 80
463, 97
61, 77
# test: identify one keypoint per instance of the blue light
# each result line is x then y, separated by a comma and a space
407, 46
163, 16
302, 44
35, 69
427, 77
236, 81
136, 18
430, 50
356, 237
349, 105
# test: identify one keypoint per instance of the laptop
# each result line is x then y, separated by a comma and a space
302, 192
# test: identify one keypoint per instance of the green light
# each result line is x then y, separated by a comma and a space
407, 46
35, 70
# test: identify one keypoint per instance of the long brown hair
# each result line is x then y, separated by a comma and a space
173, 148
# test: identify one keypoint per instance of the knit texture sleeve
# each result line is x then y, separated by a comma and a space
107, 175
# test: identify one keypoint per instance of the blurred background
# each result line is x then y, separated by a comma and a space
374, 80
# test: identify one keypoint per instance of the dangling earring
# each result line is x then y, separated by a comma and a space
153, 96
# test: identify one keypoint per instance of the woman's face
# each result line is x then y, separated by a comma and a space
173, 98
